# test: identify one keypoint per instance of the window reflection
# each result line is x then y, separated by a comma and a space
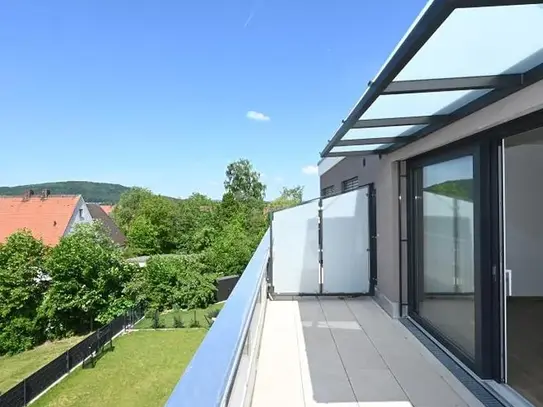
446, 264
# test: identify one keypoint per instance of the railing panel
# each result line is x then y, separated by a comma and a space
209, 378
346, 242
295, 245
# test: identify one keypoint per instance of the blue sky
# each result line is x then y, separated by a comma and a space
160, 93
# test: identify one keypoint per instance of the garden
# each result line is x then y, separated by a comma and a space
51, 297
141, 370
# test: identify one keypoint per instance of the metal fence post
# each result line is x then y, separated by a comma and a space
321, 247
67, 361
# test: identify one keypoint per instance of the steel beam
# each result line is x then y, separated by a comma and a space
491, 3
451, 84
399, 121
532, 76
354, 153
370, 141
426, 26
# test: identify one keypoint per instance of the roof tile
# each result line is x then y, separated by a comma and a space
47, 218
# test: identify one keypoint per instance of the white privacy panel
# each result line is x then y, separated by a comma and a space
295, 250
346, 243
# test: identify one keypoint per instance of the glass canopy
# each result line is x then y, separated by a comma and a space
456, 59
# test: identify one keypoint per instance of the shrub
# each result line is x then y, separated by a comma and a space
150, 313
194, 323
178, 321
88, 278
171, 280
156, 322
22, 286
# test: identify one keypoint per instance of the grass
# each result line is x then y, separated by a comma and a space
15, 368
142, 370
167, 318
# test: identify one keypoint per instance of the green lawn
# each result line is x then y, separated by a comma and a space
166, 318
142, 370
15, 368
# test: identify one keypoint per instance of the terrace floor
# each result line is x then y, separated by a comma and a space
347, 353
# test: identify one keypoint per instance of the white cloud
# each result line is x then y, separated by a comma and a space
278, 179
261, 117
310, 170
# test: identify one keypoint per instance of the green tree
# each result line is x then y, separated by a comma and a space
155, 219
162, 213
173, 280
128, 207
232, 249
289, 197
88, 279
22, 285
243, 182
143, 237
197, 226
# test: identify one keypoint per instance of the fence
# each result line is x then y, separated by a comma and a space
225, 285
31, 387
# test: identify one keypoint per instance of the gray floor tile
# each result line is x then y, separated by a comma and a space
348, 351
376, 386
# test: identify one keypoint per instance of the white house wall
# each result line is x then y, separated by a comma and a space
76, 218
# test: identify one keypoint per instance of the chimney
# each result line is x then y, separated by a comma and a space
28, 194
45, 193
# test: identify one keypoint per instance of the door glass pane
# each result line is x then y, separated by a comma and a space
446, 267
523, 215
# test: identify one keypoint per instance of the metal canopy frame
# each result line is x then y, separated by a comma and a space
497, 86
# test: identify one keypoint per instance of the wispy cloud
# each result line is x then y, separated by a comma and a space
251, 15
261, 117
310, 170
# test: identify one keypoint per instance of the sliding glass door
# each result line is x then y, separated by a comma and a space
443, 242
522, 259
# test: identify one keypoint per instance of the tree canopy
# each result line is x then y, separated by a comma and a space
243, 182
85, 280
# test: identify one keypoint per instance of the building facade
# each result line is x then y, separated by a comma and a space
458, 224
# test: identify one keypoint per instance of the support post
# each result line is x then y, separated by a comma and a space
321, 266
269, 271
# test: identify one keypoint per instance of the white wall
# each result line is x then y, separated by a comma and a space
524, 218
76, 218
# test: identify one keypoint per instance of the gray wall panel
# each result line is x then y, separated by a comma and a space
351, 167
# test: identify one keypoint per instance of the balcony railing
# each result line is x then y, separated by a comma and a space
288, 261
221, 373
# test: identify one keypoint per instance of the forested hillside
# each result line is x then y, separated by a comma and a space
92, 191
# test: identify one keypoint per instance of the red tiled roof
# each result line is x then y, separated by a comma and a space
45, 218
107, 208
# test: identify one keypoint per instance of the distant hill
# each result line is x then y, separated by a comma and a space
92, 191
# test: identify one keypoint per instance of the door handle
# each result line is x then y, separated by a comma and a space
508, 283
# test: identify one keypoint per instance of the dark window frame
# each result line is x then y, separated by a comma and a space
414, 178
328, 191
487, 363
350, 184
